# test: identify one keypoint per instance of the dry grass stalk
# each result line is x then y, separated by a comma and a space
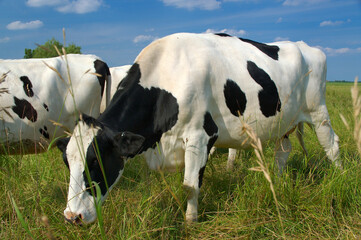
262, 165
356, 104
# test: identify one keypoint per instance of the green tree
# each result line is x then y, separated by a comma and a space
47, 50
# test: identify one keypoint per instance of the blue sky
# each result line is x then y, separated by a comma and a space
117, 30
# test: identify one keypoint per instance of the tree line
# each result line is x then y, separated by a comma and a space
48, 49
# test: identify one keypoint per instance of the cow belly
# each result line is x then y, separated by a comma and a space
231, 131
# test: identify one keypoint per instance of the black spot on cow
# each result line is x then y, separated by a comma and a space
149, 112
211, 129
223, 34
24, 109
102, 69
200, 176
44, 132
209, 125
268, 97
235, 98
46, 107
269, 50
27, 85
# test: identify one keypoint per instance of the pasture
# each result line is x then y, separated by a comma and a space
316, 199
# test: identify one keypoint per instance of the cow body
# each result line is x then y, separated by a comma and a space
36, 95
188, 92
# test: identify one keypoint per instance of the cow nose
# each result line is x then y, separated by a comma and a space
73, 218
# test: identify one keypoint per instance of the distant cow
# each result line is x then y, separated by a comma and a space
117, 73
38, 92
186, 93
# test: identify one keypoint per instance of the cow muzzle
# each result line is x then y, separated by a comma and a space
73, 218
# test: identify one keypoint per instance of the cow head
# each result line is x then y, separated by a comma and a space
94, 153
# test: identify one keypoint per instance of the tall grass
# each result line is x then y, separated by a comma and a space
316, 200
262, 166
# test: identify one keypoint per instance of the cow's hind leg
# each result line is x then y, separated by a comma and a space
282, 150
325, 134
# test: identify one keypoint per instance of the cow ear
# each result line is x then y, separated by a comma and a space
128, 144
62, 143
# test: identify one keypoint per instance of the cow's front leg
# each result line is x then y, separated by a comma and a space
196, 155
197, 150
195, 164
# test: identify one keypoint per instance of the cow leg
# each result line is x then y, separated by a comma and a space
194, 166
231, 158
325, 134
196, 155
282, 150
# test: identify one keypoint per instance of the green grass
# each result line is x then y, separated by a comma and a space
316, 199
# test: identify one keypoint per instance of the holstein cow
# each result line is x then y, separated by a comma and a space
35, 95
117, 73
186, 93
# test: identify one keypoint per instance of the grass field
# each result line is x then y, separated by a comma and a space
316, 199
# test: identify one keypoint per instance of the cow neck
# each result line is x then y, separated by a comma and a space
145, 111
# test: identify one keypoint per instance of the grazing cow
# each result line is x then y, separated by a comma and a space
188, 92
117, 73
38, 92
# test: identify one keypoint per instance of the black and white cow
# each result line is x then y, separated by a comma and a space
186, 93
36, 95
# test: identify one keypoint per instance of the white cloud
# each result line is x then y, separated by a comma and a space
339, 51
144, 38
192, 4
279, 20
41, 3
294, 3
232, 32
4, 40
332, 23
277, 39
68, 6
18, 25
80, 6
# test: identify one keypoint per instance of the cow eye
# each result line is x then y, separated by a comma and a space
92, 163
